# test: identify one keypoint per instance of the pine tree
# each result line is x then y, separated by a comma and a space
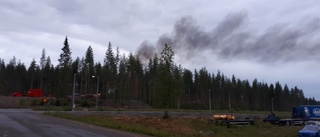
165, 87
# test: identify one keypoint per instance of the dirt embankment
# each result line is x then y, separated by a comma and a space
18, 102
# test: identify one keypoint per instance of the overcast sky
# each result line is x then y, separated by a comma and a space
267, 39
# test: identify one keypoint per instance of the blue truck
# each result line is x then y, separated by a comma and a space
306, 112
299, 115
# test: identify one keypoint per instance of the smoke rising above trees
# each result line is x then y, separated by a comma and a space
161, 84
229, 40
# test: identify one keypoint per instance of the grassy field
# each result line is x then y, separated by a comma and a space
182, 126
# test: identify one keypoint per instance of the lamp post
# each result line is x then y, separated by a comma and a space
97, 94
73, 92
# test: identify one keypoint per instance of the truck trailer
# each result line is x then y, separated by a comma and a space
231, 120
30, 93
299, 115
35, 92
309, 112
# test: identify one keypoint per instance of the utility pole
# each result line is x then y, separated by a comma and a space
272, 109
229, 102
73, 92
210, 100
97, 94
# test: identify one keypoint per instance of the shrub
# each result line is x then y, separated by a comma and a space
85, 103
61, 102
35, 102
22, 103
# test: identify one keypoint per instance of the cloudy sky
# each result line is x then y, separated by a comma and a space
267, 39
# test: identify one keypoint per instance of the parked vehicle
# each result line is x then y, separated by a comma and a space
299, 116
313, 122
31, 93
35, 92
309, 131
307, 112
232, 120
17, 94
272, 118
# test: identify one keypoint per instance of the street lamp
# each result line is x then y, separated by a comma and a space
73, 92
97, 90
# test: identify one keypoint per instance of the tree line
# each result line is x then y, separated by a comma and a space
161, 83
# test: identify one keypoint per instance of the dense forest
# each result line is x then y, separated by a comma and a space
160, 83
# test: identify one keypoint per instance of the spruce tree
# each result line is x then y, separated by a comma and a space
2, 76
64, 69
32, 74
65, 56
110, 70
42, 65
166, 87
89, 65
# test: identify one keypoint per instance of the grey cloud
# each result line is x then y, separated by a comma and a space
69, 7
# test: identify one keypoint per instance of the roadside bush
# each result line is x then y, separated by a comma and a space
216, 108
67, 108
237, 109
100, 109
57, 102
195, 106
41, 103
85, 103
22, 103
61, 102
35, 102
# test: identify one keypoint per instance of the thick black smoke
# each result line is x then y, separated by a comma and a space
228, 41
146, 50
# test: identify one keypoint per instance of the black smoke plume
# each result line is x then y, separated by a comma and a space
229, 41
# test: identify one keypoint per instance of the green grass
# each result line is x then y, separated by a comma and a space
189, 127
256, 131
110, 122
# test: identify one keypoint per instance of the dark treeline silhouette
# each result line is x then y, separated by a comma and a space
160, 83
